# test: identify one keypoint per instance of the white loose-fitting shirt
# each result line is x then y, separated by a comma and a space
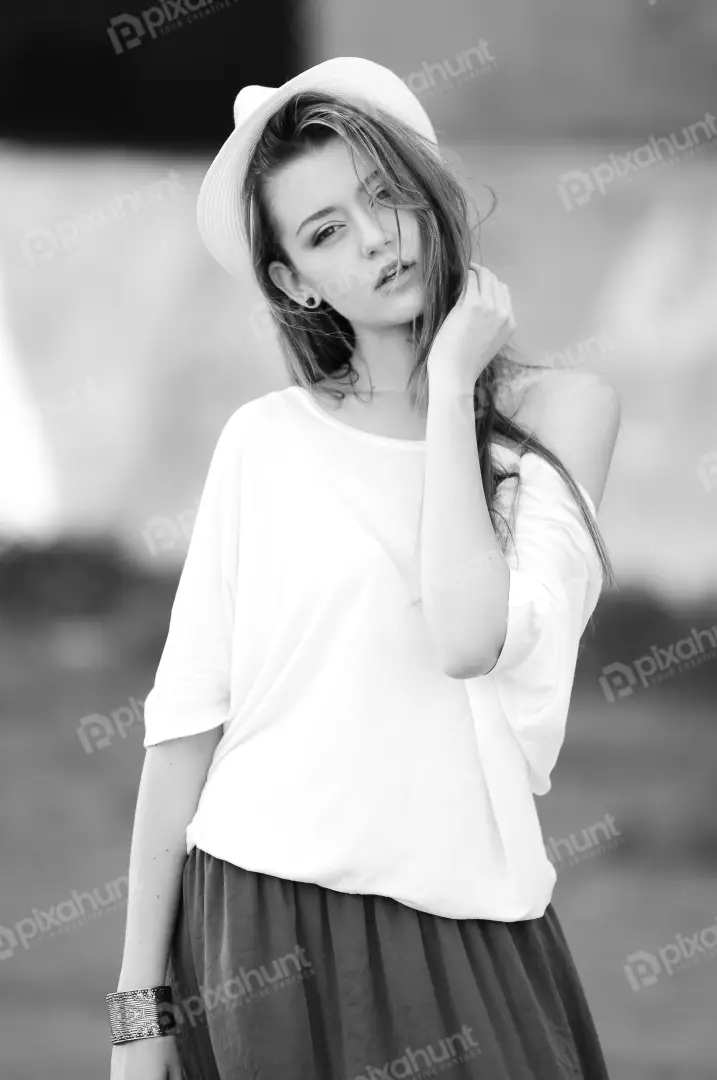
348, 757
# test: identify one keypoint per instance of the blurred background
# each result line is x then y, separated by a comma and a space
124, 348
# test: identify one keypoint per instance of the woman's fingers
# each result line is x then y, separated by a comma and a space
503, 305
506, 305
494, 294
472, 283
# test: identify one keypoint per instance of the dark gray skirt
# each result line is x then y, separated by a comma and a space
282, 980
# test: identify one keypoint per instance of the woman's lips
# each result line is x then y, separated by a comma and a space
399, 278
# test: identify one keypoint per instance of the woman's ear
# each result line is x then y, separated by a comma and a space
286, 280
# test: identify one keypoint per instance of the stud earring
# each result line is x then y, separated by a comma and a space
312, 301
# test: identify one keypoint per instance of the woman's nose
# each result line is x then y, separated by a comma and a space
373, 235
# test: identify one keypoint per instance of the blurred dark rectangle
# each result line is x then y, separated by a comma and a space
139, 74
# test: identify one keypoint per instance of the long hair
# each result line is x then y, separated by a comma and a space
320, 342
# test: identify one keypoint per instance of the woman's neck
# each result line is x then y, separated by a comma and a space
379, 398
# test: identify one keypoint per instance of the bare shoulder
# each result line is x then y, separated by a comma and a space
577, 415
586, 392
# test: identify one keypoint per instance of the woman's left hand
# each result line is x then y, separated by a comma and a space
475, 329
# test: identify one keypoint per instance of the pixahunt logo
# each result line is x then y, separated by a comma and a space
128, 31
644, 968
420, 81
618, 680
425, 1062
247, 986
576, 187
592, 843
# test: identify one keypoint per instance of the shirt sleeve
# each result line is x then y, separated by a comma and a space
555, 582
191, 689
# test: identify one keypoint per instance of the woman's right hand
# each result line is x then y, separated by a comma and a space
146, 1059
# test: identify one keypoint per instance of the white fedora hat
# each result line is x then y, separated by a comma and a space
358, 81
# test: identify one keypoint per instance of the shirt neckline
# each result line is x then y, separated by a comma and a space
313, 407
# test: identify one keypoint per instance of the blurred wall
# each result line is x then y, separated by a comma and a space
136, 346
580, 69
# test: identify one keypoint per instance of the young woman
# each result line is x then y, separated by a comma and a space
337, 870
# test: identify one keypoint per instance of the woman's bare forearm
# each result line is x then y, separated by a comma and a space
464, 575
173, 776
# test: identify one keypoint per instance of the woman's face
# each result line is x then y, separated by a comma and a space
338, 243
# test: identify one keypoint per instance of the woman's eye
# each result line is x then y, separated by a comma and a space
383, 193
321, 236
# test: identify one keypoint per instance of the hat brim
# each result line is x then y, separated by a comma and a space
358, 81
